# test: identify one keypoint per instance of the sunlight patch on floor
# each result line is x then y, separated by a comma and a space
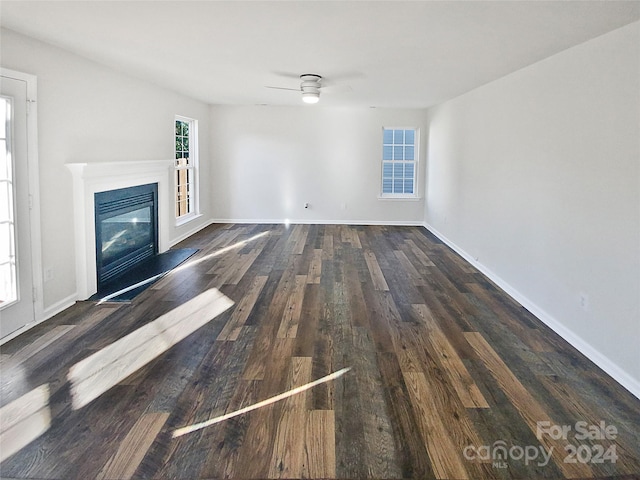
295, 391
97, 373
24, 420
219, 252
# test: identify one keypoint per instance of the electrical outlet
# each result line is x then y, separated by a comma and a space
583, 299
48, 274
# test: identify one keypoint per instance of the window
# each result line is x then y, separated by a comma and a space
186, 178
8, 280
399, 162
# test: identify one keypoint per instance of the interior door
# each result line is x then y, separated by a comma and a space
16, 274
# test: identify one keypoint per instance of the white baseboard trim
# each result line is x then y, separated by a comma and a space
46, 315
280, 221
605, 363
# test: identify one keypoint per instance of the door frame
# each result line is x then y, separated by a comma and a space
34, 192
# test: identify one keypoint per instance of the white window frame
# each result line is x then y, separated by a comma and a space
416, 166
193, 166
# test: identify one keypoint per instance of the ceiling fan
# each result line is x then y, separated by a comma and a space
310, 85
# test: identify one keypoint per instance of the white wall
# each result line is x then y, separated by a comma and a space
269, 161
90, 113
536, 177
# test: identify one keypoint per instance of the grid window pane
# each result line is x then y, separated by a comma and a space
185, 171
408, 185
183, 180
399, 158
409, 137
408, 170
408, 153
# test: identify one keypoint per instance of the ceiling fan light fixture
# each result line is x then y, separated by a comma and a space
310, 87
310, 97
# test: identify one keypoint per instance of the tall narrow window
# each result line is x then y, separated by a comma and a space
186, 177
399, 162
8, 280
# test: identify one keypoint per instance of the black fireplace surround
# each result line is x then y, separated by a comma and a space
126, 230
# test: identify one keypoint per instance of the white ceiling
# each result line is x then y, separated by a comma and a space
373, 53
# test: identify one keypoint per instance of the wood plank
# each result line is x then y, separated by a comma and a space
420, 255
327, 247
377, 277
449, 408
408, 268
349, 235
380, 455
411, 450
379, 317
307, 333
301, 238
315, 267
287, 460
255, 454
123, 465
445, 459
293, 309
225, 453
242, 310
355, 298
451, 363
244, 264
319, 445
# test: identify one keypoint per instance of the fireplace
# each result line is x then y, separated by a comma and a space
92, 178
126, 230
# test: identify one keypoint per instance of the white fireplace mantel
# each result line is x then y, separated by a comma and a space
91, 178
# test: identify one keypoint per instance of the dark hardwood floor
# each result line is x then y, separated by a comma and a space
448, 376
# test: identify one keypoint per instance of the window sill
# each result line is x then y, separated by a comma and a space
187, 218
412, 198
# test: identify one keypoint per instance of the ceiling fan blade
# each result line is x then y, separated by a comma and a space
283, 88
288, 75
